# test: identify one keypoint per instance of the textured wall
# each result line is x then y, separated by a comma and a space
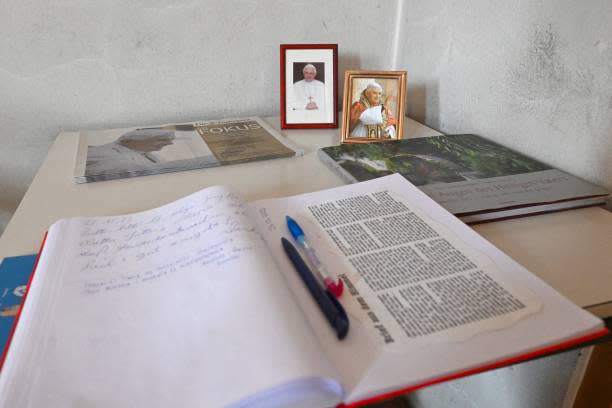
71, 64
534, 75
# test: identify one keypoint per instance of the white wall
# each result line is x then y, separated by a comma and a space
70, 64
533, 75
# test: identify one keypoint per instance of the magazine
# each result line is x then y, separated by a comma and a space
122, 153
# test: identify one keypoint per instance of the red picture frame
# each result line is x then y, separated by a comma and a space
319, 109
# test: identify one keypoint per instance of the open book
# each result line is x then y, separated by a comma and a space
196, 304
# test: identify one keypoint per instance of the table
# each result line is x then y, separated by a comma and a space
569, 249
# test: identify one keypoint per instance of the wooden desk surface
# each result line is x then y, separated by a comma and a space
571, 250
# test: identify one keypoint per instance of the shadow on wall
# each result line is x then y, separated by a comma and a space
423, 103
345, 62
6, 212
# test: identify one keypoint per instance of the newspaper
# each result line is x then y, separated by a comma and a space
412, 277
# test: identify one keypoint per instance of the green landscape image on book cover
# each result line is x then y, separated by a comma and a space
430, 160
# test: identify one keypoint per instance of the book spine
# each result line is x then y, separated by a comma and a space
336, 168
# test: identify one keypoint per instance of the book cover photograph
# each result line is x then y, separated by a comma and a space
122, 153
472, 177
14, 275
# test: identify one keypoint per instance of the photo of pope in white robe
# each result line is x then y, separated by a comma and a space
309, 90
308, 94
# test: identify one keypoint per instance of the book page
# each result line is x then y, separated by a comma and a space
419, 284
178, 306
415, 279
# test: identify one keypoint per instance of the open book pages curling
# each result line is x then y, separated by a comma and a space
196, 304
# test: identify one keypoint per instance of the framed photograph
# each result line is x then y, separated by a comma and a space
309, 86
373, 106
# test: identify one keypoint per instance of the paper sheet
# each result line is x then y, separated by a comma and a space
177, 306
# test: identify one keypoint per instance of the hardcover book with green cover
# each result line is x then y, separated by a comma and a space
472, 177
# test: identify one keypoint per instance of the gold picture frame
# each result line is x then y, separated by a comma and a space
364, 92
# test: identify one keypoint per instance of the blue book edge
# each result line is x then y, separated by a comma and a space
15, 272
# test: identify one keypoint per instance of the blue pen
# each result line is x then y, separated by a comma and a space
334, 286
329, 305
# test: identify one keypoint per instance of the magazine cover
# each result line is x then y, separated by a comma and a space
467, 174
122, 153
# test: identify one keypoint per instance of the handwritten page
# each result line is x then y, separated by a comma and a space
177, 306
129, 251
